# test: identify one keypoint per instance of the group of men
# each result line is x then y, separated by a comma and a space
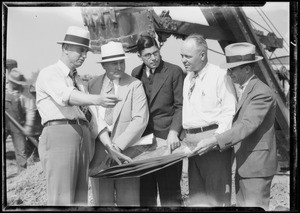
83, 125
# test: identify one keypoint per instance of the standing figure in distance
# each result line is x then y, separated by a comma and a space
20, 104
163, 84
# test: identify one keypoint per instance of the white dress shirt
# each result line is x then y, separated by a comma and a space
101, 110
212, 101
53, 90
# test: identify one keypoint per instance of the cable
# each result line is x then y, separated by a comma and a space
274, 27
258, 24
215, 51
264, 20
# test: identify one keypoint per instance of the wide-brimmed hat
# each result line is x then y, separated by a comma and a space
112, 51
11, 63
77, 36
238, 54
17, 77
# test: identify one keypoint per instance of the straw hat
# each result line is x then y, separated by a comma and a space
15, 76
77, 36
112, 51
238, 54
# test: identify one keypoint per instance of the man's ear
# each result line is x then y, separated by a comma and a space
248, 68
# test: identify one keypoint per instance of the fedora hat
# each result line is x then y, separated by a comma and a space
112, 51
238, 54
77, 36
15, 76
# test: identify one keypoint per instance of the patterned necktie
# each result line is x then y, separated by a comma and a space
84, 109
192, 85
108, 117
240, 93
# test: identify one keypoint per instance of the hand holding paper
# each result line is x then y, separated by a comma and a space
205, 145
116, 155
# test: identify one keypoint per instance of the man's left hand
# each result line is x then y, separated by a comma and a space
205, 145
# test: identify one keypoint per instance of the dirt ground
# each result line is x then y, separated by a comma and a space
28, 188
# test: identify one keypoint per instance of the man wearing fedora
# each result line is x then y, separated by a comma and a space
126, 123
65, 146
20, 104
163, 83
252, 134
208, 109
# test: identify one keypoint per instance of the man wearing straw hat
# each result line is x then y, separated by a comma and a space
20, 104
126, 123
65, 146
208, 108
252, 134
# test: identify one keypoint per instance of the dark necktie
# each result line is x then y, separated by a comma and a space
192, 85
84, 109
108, 117
151, 74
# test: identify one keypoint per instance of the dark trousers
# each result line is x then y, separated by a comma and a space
209, 175
19, 142
167, 182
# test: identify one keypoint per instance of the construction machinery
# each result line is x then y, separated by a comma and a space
225, 24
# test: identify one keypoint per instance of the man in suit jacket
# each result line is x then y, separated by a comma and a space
126, 125
252, 133
163, 83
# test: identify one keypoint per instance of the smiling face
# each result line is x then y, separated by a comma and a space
114, 69
193, 57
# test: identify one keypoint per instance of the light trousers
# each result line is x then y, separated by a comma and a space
64, 154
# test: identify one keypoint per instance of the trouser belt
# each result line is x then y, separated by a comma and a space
66, 121
201, 129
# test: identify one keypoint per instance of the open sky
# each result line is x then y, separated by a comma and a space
32, 33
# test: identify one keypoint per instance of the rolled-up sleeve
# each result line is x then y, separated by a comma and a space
228, 103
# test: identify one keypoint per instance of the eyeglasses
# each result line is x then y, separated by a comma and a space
148, 55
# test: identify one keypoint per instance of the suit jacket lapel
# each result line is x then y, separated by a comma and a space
248, 89
122, 94
159, 79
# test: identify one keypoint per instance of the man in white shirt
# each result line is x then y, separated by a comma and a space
125, 122
208, 108
65, 146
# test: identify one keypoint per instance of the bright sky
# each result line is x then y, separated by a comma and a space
32, 33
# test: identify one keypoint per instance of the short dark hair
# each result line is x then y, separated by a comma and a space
144, 42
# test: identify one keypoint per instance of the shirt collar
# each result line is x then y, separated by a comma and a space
147, 69
116, 81
202, 72
65, 69
247, 82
